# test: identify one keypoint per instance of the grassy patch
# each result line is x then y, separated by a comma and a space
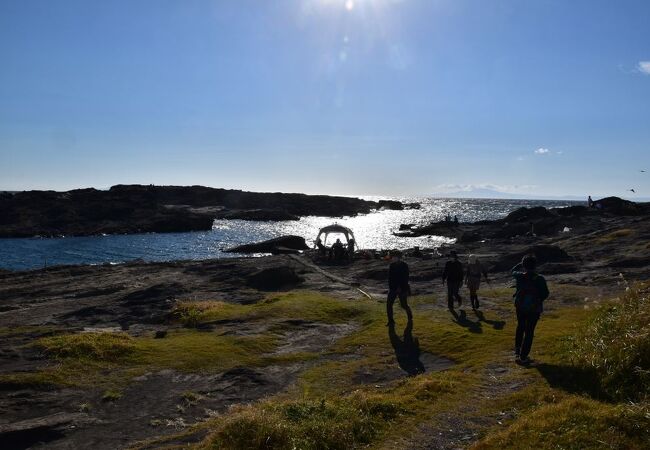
111, 396
350, 422
96, 346
575, 422
112, 359
310, 306
43, 380
615, 344
331, 406
194, 351
614, 235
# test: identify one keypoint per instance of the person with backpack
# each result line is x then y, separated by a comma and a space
398, 286
453, 276
531, 291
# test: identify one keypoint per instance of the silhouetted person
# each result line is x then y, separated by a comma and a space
351, 248
337, 249
398, 286
455, 220
407, 350
322, 250
453, 276
529, 298
473, 279
590, 202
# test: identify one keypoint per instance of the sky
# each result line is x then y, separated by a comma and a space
351, 97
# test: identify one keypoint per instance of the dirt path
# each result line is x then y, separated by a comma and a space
462, 426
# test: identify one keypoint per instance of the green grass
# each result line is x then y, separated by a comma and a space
41, 380
555, 406
615, 345
575, 423
111, 396
112, 359
350, 422
110, 347
310, 306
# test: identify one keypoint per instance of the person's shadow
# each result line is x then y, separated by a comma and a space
496, 324
407, 350
462, 320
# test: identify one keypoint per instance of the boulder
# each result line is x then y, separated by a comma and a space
272, 245
528, 214
390, 204
274, 278
447, 229
618, 206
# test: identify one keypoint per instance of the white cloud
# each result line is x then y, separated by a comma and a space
505, 188
644, 67
541, 151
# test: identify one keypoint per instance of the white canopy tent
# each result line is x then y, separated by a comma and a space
335, 229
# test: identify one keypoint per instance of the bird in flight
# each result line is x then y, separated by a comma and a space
643, 171
632, 190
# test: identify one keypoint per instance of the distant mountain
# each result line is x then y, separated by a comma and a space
491, 193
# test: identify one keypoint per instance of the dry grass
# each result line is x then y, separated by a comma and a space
616, 345
575, 423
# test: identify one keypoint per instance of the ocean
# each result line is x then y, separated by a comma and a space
372, 231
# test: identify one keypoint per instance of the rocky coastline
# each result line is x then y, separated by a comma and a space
125, 209
167, 318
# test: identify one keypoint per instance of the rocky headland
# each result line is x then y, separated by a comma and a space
142, 209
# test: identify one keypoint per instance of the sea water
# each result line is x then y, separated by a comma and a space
372, 231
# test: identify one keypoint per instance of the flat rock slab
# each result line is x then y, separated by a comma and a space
312, 336
27, 433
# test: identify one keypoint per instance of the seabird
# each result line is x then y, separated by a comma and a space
632, 190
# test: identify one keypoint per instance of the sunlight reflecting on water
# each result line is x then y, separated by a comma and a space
374, 230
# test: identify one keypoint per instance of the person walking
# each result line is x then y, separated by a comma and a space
531, 291
398, 286
453, 276
473, 279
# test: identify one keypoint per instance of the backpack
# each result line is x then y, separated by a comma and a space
527, 298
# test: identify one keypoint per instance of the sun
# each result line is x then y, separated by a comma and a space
349, 5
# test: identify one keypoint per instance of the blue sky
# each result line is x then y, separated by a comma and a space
386, 97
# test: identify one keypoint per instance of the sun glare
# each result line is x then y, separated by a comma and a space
349, 5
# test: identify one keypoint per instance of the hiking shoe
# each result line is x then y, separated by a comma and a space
523, 361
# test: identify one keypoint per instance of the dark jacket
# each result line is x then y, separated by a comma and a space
453, 271
524, 279
398, 276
